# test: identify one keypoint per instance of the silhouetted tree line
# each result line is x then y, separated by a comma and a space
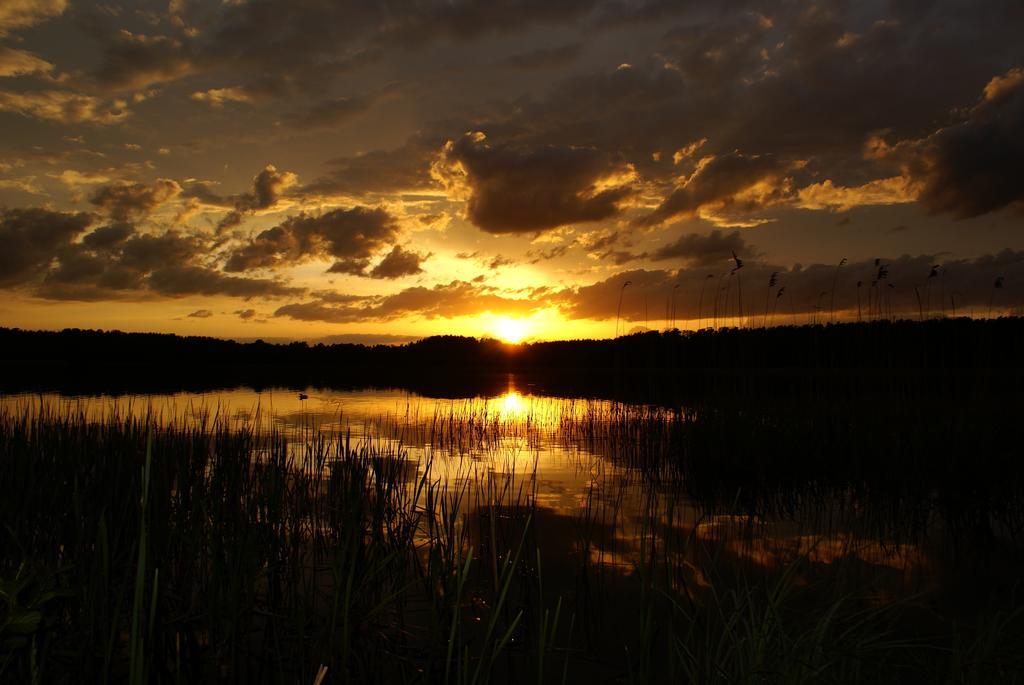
75, 359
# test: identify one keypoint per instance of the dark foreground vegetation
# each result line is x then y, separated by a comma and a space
199, 552
837, 504
644, 365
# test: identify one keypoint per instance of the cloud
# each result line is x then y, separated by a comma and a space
30, 239
600, 300
146, 252
713, 54
405, 169
277, 33
218, 97
134, 61
205, 193
546, 58
268, 187
20, 14
21, 62
200, 314
457, 298
724, 184
972, 167
791, 87
350, 236
74, 178
398, 263
334, 111
808, 289
113, 261
177, 281
124, 200
305, 48
163, 264
25, 184
63, 107
106, 237
703, 249
884, 191
688, 150
524, 190
499, 261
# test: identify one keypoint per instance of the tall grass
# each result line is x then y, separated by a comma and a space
156, 549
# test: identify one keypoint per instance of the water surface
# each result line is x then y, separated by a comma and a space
597, 478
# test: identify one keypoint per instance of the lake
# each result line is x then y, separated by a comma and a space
870, 504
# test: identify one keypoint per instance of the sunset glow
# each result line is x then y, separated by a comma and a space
510, 330
393, 173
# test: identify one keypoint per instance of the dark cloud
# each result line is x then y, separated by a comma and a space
546, 58
794, 82
699, 249
535, 255
112, 262
351, 236
200, 314
105, 237
972, 167
457, 298
397, 263
177, 281
124, 200
300, 45
268, 187
403, 169
30, 239
701, 292
350, 266
523, 190
607, 246
277, 30
731, 182
335, 111
597, 242
146, 252
132, 61
499, 261
720, 53
206, 193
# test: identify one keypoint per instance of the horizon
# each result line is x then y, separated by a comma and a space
525, 172
375, 340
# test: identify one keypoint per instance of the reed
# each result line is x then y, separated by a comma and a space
161, 549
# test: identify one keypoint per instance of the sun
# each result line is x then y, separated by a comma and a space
510, 330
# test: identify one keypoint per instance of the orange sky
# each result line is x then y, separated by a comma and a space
284, 170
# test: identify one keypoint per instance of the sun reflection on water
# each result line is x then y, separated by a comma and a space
512, 405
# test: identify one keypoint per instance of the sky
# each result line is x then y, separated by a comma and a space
346, 170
